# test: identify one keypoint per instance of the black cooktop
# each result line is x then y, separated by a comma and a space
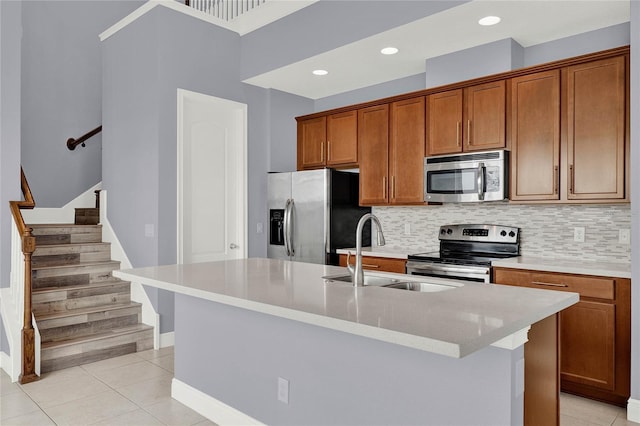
479, 259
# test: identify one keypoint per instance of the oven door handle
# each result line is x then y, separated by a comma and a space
423, 267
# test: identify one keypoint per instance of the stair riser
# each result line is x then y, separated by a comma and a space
87, 216
72, 275
68, 239
72, 249
86, 328
142, 339
74, 320
69, 258
93, 356
81, 303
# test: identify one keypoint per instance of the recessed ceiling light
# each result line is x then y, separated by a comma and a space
489, 20
320, 72
389, 51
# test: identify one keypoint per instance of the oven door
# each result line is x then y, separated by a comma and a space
480, 274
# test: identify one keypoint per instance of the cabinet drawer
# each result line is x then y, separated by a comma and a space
602, 288
598, 287
378, 263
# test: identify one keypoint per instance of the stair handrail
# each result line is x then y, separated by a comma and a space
72, 142
28, 372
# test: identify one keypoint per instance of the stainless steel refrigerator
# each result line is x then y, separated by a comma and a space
312, 214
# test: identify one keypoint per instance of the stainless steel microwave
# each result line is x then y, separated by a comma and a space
463, 178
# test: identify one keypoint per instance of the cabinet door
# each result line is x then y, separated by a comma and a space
444, 130
535, 136
373, 263
342, 138
484, 121
596, 131
373, 145
312, 134
587, 336
406, 151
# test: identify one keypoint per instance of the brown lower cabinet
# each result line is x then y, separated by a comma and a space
372, 263
594, 334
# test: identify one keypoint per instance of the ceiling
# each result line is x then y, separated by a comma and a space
360, 64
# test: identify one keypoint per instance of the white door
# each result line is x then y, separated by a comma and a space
212, 217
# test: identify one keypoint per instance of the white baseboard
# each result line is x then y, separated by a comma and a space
633, 410
206, 405
5, 364
167, 339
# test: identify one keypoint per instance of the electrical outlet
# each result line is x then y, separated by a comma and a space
259, 228
283, 390
407, 229
624, 236
149, 230
578, 234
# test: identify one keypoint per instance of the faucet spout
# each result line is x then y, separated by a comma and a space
357, 272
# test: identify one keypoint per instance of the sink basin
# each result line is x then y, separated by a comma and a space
371, 280
419, 286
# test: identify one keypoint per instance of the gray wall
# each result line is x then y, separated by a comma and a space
491, 58
635, 203
10, 34
325, 25
61, 94
336, 378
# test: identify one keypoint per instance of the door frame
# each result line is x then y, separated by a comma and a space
182, 96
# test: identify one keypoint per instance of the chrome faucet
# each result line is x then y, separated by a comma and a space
357, 273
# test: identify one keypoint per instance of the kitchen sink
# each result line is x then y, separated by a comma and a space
371, 280
420, 286
388, 282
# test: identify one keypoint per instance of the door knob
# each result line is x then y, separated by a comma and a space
233, 246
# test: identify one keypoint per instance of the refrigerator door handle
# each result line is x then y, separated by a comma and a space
289, 229
286, 227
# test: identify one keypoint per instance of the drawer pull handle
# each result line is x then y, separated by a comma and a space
366, 265
549, 284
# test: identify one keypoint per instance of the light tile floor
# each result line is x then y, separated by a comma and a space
135, 390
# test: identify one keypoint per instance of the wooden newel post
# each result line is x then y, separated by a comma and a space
28, 334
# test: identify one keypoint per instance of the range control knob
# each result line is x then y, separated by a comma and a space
512, 234
449, 231
443, 231
504, 233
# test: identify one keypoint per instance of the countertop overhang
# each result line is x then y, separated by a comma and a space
453, 322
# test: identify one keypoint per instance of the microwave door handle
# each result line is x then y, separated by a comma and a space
481, 172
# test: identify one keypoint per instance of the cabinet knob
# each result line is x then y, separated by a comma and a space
233, 246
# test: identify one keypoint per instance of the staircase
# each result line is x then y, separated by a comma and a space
83, 313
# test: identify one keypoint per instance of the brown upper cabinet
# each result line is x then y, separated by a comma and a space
373, 137
567, 130
391, 141
596, 131
535, 136
469, 119
328, 141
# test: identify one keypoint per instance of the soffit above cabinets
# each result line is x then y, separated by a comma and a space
360, 64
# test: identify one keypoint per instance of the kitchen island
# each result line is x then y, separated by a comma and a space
271, 341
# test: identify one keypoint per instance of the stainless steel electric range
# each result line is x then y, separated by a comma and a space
466, 252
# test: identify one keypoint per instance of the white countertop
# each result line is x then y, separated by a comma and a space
454, 322
379, 251
567, 266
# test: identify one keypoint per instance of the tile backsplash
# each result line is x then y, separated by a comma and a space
546, 230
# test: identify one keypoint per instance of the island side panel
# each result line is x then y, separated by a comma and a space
236, 356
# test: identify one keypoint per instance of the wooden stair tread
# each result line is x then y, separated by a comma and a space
98, 336
82, 311
73, 245
115, 281
60, 225
75, 265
